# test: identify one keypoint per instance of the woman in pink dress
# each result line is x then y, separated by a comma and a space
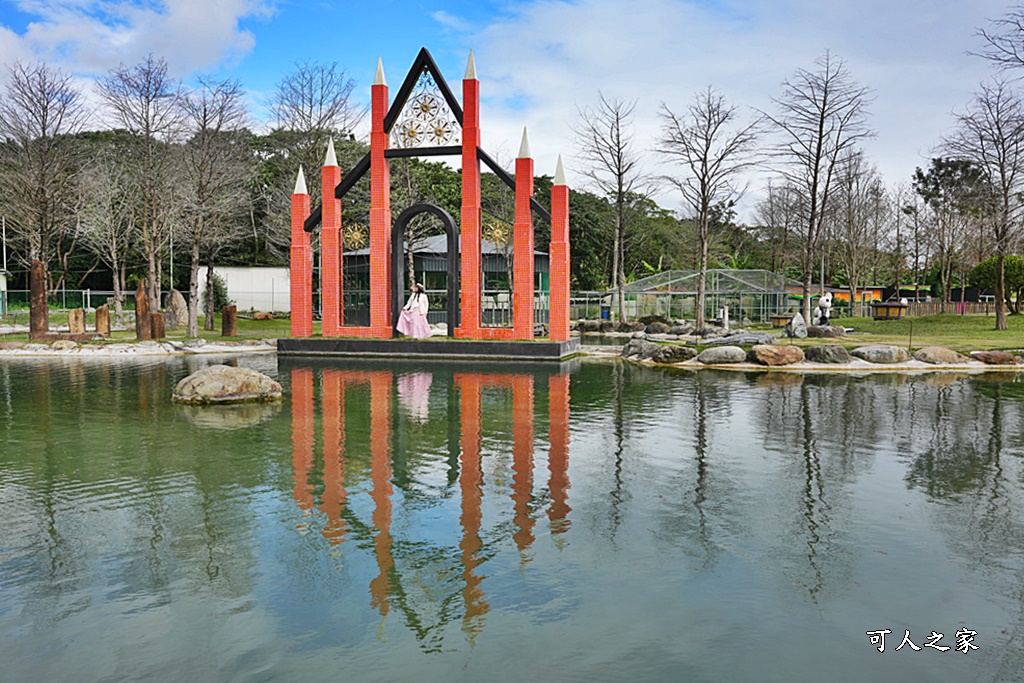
413, 320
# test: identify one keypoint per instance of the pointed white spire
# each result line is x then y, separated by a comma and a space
331, 159
524, 146
300, 183
470, 68
379, 78
559, 172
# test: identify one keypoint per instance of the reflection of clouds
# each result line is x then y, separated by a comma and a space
414, 394
237, 416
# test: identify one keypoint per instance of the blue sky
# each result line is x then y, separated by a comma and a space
539, 60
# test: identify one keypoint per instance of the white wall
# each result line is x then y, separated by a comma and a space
259, 289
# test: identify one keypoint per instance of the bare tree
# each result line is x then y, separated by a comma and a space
857, 217
778, 214
108, 219
990, 134
604, 138
313, 104
40, 112
714, 149
820, 114
1004, 42
217, 168
145, 101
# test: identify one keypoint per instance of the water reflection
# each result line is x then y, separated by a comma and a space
428, 522
505, 394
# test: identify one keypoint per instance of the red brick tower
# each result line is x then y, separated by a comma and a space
522, 235
301, 263
331, 307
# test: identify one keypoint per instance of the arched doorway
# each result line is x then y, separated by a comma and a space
398, 262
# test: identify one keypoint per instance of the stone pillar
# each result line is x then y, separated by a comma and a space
470, 225
330, 246
229, 321
76, 321
380, 211
103, 321
156, 321
39, 316
558, 327
301, 263
143, 323
522, 235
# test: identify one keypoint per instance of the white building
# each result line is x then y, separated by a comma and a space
253, 288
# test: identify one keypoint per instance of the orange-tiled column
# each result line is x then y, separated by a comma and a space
330, 241
522, 459
558, 455
380, 212
470, 228
522, 235
558, 326
301, 264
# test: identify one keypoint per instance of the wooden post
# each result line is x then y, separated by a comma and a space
76, 321
39, 318
229, 322
156, 321
143, 323
103, 321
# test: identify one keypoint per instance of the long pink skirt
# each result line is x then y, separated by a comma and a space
413, 324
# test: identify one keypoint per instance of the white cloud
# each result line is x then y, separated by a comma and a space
550, 56
93, 36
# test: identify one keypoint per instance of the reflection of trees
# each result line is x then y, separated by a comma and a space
972, 466
118, 487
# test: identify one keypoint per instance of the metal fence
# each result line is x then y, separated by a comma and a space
497, 305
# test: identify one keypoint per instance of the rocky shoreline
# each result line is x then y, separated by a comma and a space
131, 349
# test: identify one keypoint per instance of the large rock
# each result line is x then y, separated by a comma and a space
175, 309
771, 354
833, 354
743, 339
825, 331
939, 355
681, 330
796, 327
881, 353
673, 353
607, 326
994, 357
719, 355
631, 326
657, 328
589, 326
225, 384
640, 349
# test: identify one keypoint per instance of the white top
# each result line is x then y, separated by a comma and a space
417, 300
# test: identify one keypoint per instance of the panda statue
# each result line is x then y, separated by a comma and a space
822, 310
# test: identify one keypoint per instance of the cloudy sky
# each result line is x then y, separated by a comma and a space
539, 61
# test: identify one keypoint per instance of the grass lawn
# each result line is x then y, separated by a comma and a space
247, 329
961, 333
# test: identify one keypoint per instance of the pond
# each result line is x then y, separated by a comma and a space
594, 521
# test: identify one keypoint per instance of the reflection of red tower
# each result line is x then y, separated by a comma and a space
302, 435
334, 496
558, 455
380, 473
522, 458
471, 482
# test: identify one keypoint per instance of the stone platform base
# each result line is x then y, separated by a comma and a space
431, 348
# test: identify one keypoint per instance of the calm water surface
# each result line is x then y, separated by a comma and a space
593, 522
